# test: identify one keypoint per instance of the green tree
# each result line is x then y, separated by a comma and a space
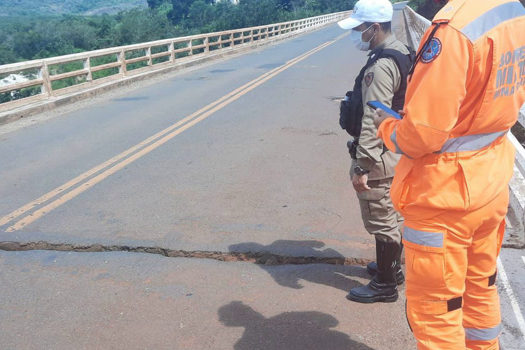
153, 4
312, 6
163, 7
180, 10
105, 35
6, 55
286, 5
77, 32
227, 16
138, 26
259, 12
201, 15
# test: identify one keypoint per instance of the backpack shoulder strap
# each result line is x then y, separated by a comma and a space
403, 61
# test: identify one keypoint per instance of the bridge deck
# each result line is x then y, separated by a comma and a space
262, 169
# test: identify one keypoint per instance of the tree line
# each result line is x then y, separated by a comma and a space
29, 37
33, 37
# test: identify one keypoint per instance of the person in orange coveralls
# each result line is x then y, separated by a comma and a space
451, 183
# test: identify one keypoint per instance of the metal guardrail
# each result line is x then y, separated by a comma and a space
415, 26
48, 77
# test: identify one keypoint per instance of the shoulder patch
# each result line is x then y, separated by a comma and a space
431, 51
369, 78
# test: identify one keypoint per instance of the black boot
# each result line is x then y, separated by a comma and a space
383, 286
371, 268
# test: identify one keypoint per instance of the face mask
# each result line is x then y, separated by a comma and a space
356, 37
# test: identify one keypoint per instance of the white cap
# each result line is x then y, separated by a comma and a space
374, 11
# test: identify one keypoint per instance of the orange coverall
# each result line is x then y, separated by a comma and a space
451, 183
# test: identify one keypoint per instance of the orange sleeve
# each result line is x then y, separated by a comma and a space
433, 98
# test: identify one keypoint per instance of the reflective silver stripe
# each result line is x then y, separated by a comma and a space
427, 239
482, 334
492, 18
393, 138
470, 142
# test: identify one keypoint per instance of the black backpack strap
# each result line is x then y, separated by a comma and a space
371, 60
403, 61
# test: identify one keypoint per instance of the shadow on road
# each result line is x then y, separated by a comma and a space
289, 330
336, 276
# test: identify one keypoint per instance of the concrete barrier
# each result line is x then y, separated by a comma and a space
89, 73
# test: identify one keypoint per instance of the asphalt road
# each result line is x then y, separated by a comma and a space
270, 165
241, 155
142, 301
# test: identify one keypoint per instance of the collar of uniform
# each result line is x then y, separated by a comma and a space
388, 41
448, 11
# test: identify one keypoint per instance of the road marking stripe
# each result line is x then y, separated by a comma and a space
142, 149
13, 215
502, 275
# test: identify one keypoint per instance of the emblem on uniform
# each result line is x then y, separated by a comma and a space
369, 78
431, 51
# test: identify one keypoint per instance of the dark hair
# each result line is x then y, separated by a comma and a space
385, 26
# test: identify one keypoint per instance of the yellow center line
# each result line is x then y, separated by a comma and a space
18, 212
53, 193
143, 148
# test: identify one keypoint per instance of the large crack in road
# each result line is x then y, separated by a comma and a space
262, 258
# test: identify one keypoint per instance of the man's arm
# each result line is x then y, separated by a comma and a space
380, 83
434, 97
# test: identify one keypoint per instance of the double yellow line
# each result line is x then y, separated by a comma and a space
25, 215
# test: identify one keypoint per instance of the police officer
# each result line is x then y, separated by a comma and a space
451, 184
382, 79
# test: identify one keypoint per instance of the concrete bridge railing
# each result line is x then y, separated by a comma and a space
25, 83
413, 27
